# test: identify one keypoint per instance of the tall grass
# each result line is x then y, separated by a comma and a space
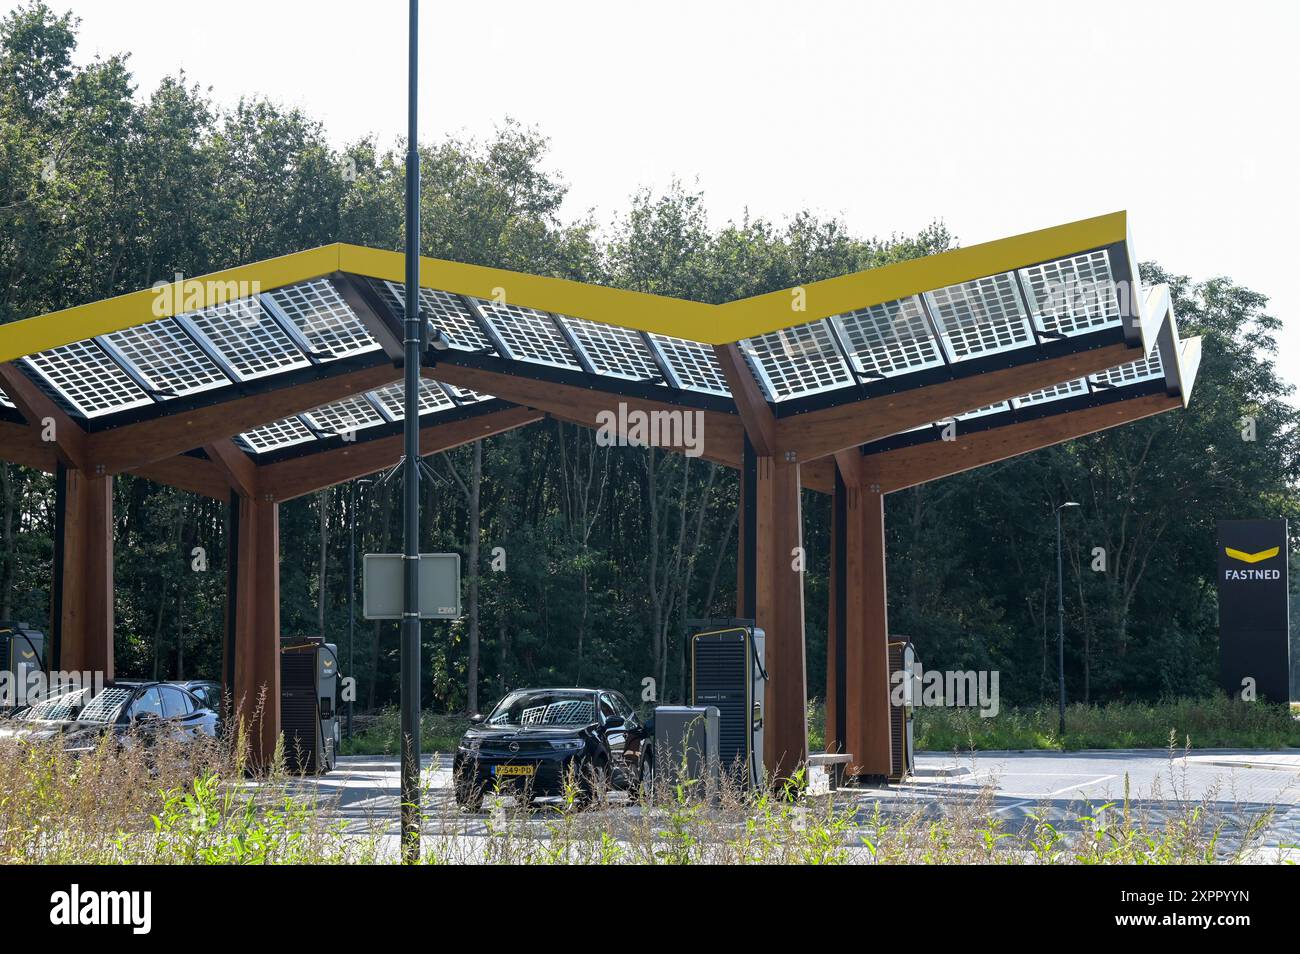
201, 805
160, 803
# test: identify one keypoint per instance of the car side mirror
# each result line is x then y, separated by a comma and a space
615, 722
476, 718
146, 718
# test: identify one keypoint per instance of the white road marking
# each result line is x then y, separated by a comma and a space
1060, 791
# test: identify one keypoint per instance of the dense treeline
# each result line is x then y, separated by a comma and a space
607, 550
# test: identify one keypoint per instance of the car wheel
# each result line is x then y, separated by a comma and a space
644, 792
469, 798
469, 793
596, 782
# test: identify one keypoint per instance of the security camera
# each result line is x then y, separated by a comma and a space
433, 337
438, 339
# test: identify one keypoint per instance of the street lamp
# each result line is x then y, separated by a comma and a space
352, 587
1060, 615
411, 347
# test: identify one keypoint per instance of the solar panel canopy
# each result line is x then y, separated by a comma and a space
1169, 368
848, 339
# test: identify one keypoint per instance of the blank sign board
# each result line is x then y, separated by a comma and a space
381, 588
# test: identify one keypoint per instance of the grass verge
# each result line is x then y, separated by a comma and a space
1214, 722
378, 733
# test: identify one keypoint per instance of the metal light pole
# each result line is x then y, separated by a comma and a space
1060, 615
410, 642
352, 587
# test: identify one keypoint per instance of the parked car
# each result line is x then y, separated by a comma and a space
134, 712
534, 740
144, 711
207, 692
46, 719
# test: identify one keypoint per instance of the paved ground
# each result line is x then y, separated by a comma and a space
1241, 785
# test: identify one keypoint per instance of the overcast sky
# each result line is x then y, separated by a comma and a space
996, 117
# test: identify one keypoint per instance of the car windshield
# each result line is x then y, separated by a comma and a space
104, 707
57, 708
544, 707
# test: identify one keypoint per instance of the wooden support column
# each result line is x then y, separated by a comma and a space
769, 584
866, 635
778, 611
255, 608
836, 629
232, 600
81, 607
745, 532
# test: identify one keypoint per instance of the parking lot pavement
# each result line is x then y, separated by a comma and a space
364, 788
1240, 785
1226, 775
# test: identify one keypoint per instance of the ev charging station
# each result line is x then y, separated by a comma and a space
727, 673
22, 651
902, 659
308, 710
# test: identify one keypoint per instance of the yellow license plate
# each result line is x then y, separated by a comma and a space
525, 770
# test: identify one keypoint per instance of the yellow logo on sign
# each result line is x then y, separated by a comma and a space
1252, 557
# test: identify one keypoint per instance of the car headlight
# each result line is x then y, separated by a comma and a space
469, 746
567, 745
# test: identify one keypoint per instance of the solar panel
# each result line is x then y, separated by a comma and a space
58, 707
799, 360
984, 316
247, 338
344, 417
562, 712
1073, 295
393, 295
432, 398
1055, 393
104, 707
277, 434
465, 395
166, 356
328, 322
447, 312
889, 339
693, 364
528, 334
89, 380
1143, 369
986, 409
613, 350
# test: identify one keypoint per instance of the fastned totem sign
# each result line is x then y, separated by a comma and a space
1254, 617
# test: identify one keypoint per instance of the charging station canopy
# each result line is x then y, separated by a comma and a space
381, 586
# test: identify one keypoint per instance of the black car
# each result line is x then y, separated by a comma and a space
46, 719
535, 740
207, 692
144, 712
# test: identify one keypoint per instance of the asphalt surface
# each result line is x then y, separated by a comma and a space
1239, 785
